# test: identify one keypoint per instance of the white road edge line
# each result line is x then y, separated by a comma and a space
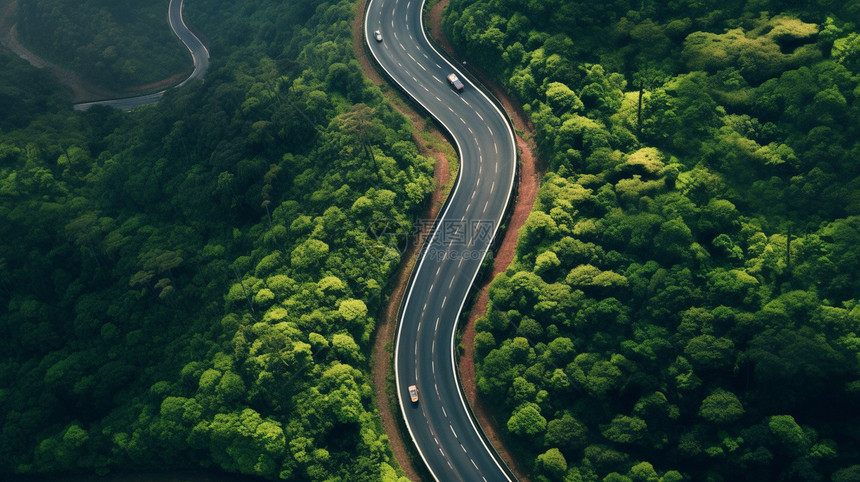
421, 262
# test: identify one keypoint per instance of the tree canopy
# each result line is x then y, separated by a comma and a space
684, 297
190, 284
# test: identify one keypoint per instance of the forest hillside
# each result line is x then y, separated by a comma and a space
193, 284
684, 302
113, 44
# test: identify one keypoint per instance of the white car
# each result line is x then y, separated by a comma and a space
377, 35
455, 82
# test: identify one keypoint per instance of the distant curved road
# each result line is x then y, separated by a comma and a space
447, 438
199, 53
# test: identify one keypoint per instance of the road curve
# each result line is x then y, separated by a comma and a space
440, 424
199, 54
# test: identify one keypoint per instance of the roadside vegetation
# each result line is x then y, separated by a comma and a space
684, 302
194, 284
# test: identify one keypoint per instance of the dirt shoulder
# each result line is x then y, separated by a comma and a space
528, 184
431, 143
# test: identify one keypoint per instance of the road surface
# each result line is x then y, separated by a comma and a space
440, 424
199, 54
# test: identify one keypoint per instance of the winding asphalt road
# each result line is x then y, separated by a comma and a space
199, 53
440, 424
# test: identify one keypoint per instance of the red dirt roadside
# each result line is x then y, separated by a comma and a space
529, 182
382, 351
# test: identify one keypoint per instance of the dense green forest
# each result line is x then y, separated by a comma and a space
26, 92
684, 302
115, 44
192, 284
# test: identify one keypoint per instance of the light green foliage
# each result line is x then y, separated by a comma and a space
625, 430
588, 275
546, 263
734, 287
790, 435
566, 432
75, 436
246, 443
308, 255
346, 348
352, 310
561, 99
757, 55
721, 407
643, 472
388, 474
708, 351
648, 160
551, 463
538, 229
597, 377
527, 420
264, 297
847, 51
208, 379
230, 389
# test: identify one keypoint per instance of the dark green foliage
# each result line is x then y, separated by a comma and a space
24, 93
684, 301
116, 44
193, 284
